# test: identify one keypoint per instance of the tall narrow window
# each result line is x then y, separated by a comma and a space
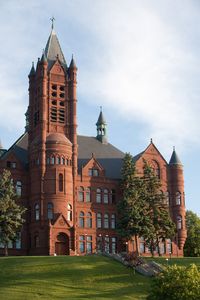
114, 244
50, 211
19, 188
37, 212
167, 198
82, 243
89, 220
105, 196
52, 160
106, 221
99, 220
106, 244
113, 221
88, 195
81, 219
18, 241
81, 194
178, 198
179, 222
89, 244
98, 195
69, 212
60, 182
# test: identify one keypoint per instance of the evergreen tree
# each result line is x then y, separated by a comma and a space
11, 219
131, 207
192, 244
160, 225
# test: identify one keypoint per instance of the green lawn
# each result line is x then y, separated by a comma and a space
64, 277
89, 277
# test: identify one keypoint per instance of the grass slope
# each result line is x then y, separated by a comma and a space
64, 277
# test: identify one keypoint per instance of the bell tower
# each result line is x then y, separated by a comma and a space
52, 146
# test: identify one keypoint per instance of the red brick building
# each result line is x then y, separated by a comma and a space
70, 183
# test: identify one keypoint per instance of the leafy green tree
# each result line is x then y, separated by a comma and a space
192, 244
160, 225
11, 213
176, 283
131, 207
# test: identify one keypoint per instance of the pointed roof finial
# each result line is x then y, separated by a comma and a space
174, 160
100, 108
151, 140
52, 21
174, 148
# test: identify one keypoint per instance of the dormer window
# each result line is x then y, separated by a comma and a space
93, 172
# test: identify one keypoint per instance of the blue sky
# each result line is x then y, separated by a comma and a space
137, 59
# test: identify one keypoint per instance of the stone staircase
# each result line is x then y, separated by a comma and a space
146, 268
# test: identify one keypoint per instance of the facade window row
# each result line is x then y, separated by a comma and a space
164, 247
50, 212
14, 244
58, 160
106, 244
101, 195
105, 221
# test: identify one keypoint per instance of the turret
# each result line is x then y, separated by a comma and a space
101, 128
177, 198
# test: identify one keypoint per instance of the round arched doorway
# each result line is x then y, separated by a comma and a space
62, 244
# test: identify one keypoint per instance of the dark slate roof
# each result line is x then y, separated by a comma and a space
53, 49
72, 64
175, 159
19, 148
101, 119
107, 155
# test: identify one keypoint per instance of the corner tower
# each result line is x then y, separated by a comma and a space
52, 147
177, 197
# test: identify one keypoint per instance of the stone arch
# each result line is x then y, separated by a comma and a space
62, 244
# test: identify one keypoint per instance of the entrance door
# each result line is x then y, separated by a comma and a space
62, 244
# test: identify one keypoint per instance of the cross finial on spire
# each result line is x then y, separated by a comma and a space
174, 148
52, 20
100, 108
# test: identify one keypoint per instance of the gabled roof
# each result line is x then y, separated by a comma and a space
19, 148
53, 50
107, 155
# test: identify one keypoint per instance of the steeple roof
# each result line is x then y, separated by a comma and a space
53, 49
101, 120
174, 159
72, 63
32, 71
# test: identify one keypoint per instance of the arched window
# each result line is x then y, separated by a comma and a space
19, 188
106, 221
88, 195
81, 219
178, 198
58, 160
52, 160
48, 160
69, 212
89, 220
98, 195
36, 240
113, 221
60, 182
37, 212
99, 220
63, 160
50, 211
81, 194
179, 222
156, 168
105, 196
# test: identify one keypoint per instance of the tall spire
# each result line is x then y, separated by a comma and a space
174, 158
101, 128
53, 49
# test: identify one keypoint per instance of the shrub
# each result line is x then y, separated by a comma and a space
176, 283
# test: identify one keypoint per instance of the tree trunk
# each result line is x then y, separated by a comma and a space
6, 249
136, 244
